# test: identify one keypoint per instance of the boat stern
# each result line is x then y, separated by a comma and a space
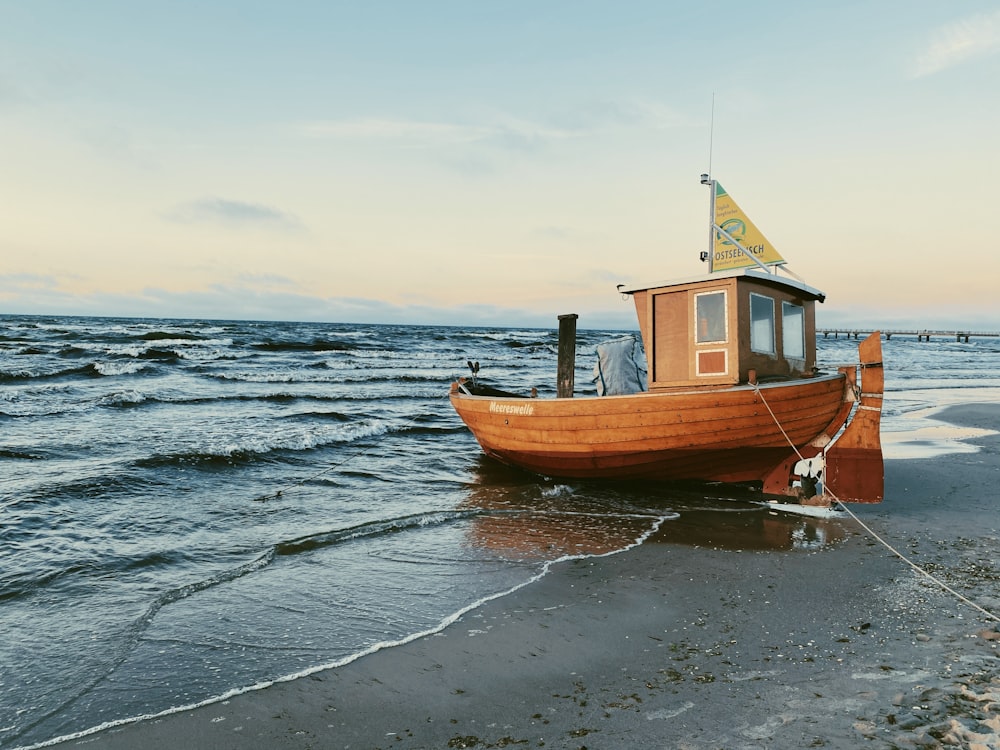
855, 470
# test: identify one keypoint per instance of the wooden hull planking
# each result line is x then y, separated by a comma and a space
855, 470
726, 435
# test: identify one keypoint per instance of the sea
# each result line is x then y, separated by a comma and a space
191, 509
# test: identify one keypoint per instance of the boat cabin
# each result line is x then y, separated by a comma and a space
744, 325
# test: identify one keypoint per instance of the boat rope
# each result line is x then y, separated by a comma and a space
756, 389
295, 485
331, 467
927, 574
964, 599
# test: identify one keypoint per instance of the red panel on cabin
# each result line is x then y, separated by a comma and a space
711, 363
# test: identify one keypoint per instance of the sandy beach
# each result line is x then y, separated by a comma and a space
735, 637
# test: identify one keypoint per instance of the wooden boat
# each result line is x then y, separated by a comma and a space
733, 393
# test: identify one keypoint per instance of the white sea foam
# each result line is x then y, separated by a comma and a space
123, 398
119, 368
546, 567
291, 439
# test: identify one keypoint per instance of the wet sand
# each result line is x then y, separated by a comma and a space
685, 642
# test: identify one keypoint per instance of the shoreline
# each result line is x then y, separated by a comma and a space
683, 645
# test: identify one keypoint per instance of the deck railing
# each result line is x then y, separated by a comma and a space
922, 334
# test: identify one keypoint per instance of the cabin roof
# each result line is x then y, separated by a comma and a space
756, 274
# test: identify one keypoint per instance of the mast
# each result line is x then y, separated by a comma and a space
706, 179
710, 255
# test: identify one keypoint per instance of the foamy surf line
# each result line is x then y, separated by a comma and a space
657, 522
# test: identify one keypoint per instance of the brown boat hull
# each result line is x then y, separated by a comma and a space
738, 434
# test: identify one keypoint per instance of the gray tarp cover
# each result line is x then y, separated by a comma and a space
620, 368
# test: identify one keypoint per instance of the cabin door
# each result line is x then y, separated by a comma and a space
670, 360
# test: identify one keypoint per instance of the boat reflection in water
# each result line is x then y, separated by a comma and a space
522, 517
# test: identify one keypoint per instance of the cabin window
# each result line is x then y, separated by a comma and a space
793, 331
710, 317
761, 324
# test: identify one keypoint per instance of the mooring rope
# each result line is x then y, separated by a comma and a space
295, 485
756, 389
361, 452
964, 599
916, 567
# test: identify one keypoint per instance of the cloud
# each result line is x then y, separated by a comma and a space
117, 144
959, 42
413, 131
610, 115
20, 281
507, 132
552, 232
513, 134
250, 299
476, 150
266, 280
240, 301
230, 213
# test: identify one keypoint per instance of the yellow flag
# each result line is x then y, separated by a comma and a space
730, 218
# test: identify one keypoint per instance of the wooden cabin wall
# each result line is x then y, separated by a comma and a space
777, 365
673, 355
667, 321
641, 300
810, 306
671, 320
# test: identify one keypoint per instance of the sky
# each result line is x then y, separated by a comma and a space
492, 163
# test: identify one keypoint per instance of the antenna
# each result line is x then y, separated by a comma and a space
711, 134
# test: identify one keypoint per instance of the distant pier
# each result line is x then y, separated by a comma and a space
922, 335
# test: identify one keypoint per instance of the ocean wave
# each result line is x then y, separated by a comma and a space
280, 398
75, 352
314, 375
160, 348
96, 369
259, 448
16, 339
131, 350
21, 583
315, 541
170, 336
20, 455
366, 530
316, 345
25, 583
123, 398
17, 584
133, 397
13, 376
198, 459
267, 377
282, 549
103, 482
199, 354
118, 368
223, 398
167, 355
334, 415
427, 430
196, 348
530, 345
